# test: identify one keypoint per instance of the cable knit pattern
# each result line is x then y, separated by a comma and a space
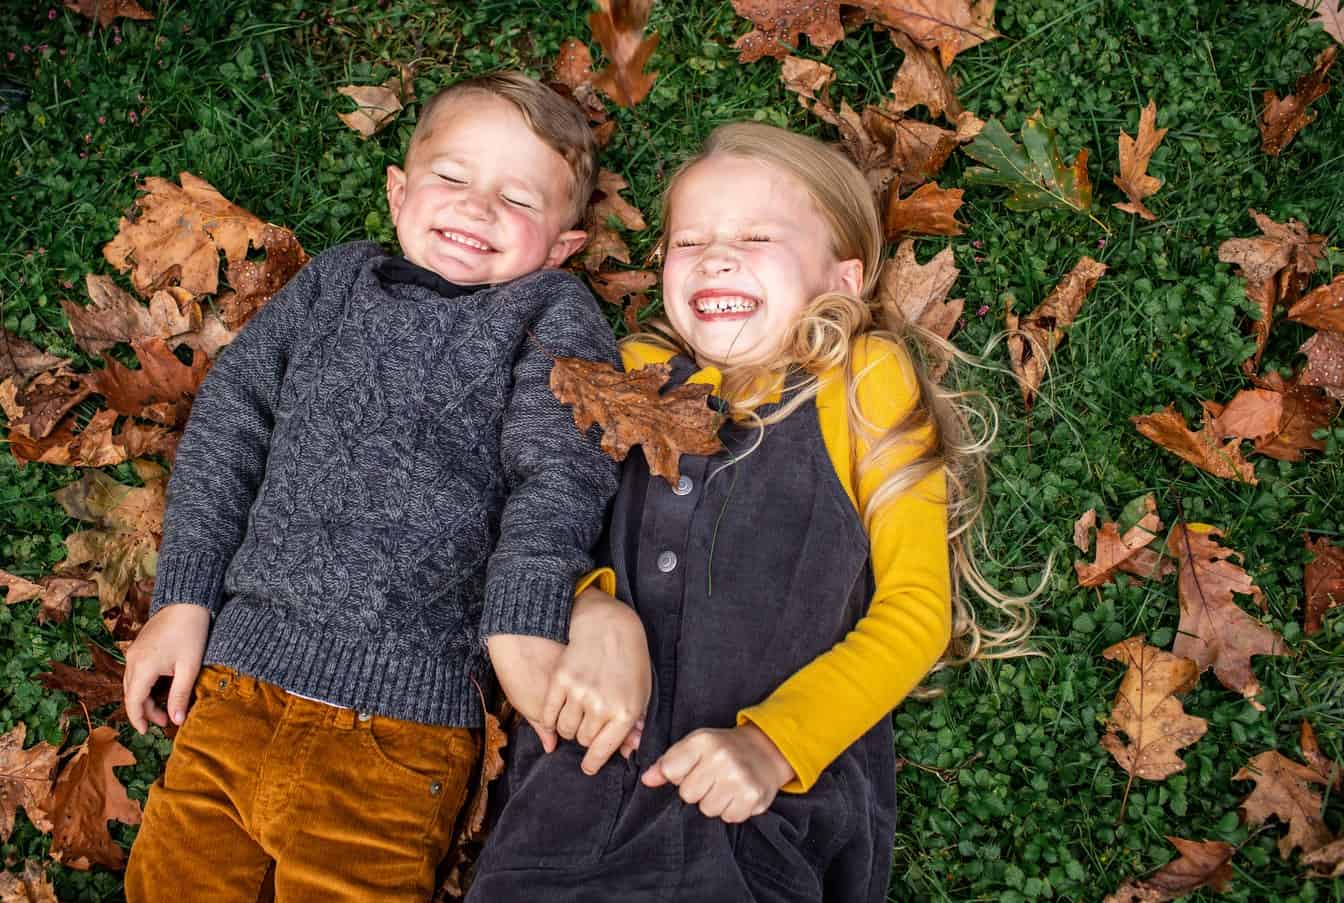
375, 477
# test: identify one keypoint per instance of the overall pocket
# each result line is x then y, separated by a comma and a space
792, 844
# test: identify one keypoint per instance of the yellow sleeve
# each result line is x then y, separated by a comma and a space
821, 710
605, 578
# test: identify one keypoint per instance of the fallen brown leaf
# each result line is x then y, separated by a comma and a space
255, 281
377, 106
1134, 180
1325, 363
1127, 552
1327, 861
1328, 16
1032, 340
1324, 579
1331, 772
161, 390
574, 71
1148, 725
53, 594
922, 81
46, 400
1322, 307
1203, 449
915, 293
615, 285
25, 778
603, 240
1283, 790
22, 360
104, 12
1281, 120
930, 210
1202, 863
30, 886
86, 796
1213, 631
98, 686
948, 26
779, 25
618, 26
632, 411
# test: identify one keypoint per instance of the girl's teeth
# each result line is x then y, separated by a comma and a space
725, 304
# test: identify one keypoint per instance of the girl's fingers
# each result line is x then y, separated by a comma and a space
554, 702
589, 728
696, 785
570, 717
603, 745
716, 801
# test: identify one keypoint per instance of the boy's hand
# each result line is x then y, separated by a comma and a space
733, 774
525, 666
171, 643
600, 689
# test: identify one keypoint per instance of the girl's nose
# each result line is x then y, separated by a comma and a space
717, 258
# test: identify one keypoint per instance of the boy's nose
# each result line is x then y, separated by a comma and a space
473, 206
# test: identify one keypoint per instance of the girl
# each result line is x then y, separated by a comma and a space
793, 588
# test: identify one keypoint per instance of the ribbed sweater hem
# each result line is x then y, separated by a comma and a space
376, 675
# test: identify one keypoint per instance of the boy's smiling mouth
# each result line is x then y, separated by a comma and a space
723, 304
464, 240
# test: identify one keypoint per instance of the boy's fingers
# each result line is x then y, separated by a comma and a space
136, 687
550, 708
570, 717
603, 745
548, 739
179, 694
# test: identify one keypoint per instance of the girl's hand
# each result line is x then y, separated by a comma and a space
733, 774
171, 643
600, 688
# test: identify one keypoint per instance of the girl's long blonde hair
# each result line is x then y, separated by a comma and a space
823, 339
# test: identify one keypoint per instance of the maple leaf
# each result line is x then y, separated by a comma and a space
22, 360
1281, 120
1278, 414
574, 72
1032, 340
1324, 579
1203, 449
87, 794
631, 411
1322, 307
1127, 552
255, 281
1331, 772
31, 886
616, 285
930, 210
96, 445
780, 25
115, 316
948, 26
123, 549
1283, 789
915, 151
25, 778
1325, 363
377, 106
911, 293
922, 81
53, 594
1328, 16
46, 400
104, 12
607, 204
1148, 724
618, 26
809, 79
161, 390
1213, 631
1202, 863
96, 687
179, 235
1035, 170
1134, 180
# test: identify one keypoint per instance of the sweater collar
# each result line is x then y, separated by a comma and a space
400, 271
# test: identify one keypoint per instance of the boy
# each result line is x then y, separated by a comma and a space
375, 480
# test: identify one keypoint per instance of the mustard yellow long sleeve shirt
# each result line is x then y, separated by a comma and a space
827, 705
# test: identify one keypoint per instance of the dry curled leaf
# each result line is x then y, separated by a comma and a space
779, 25
52, 593
930, 210
631, 411
105, 12
1202, 863
22, 360
255, 281
1325, 363
1279, 415
95, 687
377, 106
1283, 790
616, 285
86, 796
947, 26
618, 25
922, 81
603, 240
161, 390
1331, 772
1033, 339
912, 293
1129, 552
1213, 631
1324, 579
1148, 725
1322, 307
1328, 16
25, 778
1135, 153
1203, 449
30, 886
1281, 120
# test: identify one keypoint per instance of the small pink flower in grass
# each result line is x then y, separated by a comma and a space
1101, 242
88, 138
983, 309
51, 14
116, 39
133, 117
62, 51
83, 155
978, 259
977, 244
27, 48
67, 284
9, 55
102, 120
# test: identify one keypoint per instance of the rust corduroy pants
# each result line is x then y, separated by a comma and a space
267, 792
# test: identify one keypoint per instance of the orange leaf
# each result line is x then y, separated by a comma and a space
24, 360
1148, 724
1283, 789
1123, 552
161, 390
1213, 631
1322, 307
86, 796
1324, 578
618, 25
632, 411
25, 778
1331, 772
1281, 120
1134, 180
1203, 449
1304, 409
105, 11
1325, 363
255, 281
615, 285
1033, 339
931, 210
1202, 863
922, 81
779, 25
948, 26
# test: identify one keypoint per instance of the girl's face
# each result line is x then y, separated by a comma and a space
747, 251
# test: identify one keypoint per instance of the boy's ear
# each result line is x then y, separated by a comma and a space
396, 190
566, 244
849, 273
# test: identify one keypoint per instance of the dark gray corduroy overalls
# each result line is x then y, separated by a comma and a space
740, 581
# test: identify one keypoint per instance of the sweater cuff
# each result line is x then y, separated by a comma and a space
195, 578
528, 605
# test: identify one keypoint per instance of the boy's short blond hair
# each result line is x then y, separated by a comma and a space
554, 119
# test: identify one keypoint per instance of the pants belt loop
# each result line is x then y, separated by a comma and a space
345, 719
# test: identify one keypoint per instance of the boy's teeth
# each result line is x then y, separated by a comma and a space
723, 304
464, 240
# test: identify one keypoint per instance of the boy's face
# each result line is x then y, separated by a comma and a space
482, 199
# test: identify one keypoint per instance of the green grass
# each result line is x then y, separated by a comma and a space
1007, 794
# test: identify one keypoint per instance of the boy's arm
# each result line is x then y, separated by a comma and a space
559, 479
222, 456
822, 709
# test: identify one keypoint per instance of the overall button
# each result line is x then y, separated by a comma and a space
667, 561
684, 485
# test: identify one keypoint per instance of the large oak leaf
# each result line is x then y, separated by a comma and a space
1202, 863
87, 795
25, 778
1281, 120
1283, 790
1324, 579
1204, 449
1134, 180
1148, 725
1033, 339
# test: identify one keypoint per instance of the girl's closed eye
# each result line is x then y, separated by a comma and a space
755, 238
686, 243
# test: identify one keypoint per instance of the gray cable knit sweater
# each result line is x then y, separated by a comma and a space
376, 476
